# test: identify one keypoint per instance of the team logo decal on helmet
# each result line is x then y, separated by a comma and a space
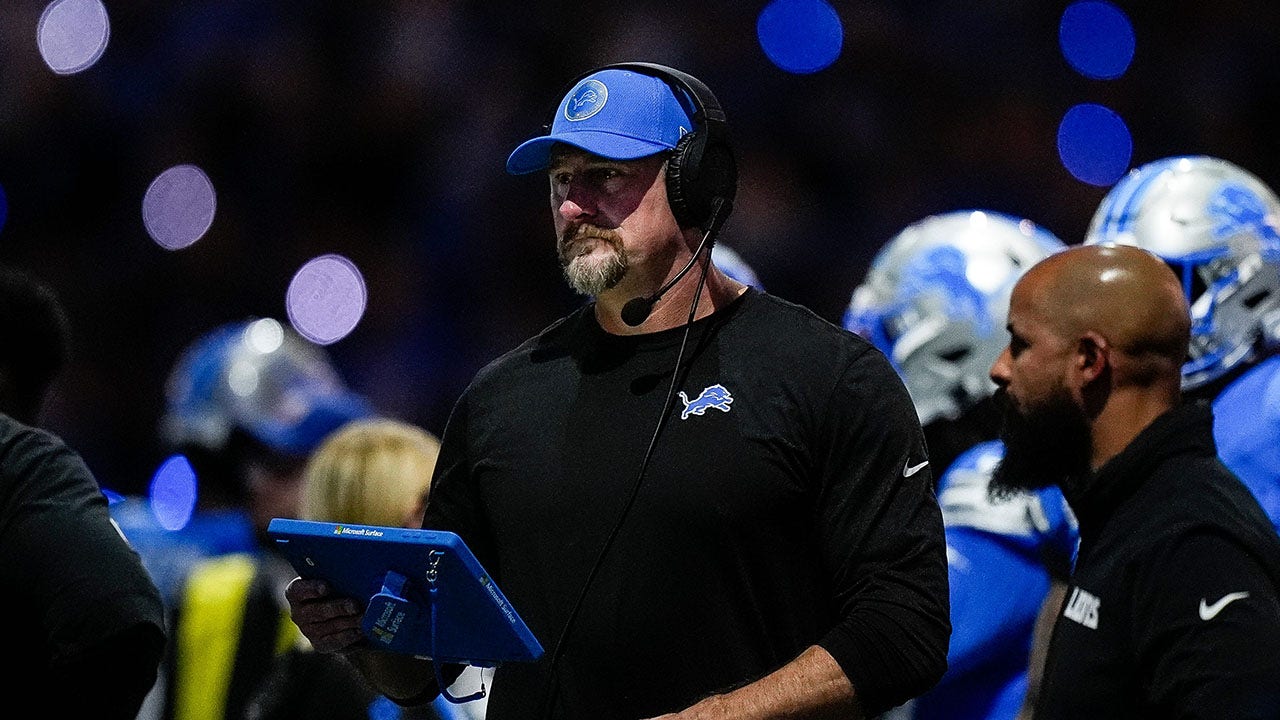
586, 100
1237, 210
1215, 224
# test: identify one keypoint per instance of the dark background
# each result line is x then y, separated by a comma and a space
379, 131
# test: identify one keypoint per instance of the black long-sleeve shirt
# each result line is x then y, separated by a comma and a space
1173, 610
787, 503
85, 621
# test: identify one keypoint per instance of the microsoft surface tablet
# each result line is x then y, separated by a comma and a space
426, 593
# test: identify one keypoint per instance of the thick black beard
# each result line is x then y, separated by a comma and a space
1046, 445
948, 438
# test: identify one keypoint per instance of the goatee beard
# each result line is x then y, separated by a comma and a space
585, 273
1043, 446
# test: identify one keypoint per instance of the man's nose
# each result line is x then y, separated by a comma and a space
999, 372
577, 204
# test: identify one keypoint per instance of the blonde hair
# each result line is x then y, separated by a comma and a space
371, 472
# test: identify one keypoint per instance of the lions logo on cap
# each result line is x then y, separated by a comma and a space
586, 100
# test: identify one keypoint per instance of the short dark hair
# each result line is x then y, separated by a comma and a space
35, 342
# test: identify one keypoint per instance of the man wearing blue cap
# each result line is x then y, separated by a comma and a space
704, 501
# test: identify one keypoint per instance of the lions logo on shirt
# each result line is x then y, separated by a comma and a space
716, 396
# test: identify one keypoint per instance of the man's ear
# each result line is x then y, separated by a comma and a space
1093, 356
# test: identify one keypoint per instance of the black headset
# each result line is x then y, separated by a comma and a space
702, 166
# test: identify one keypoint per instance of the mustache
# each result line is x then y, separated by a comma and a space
586, 231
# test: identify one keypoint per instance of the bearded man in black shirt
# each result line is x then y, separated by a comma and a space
1173, 606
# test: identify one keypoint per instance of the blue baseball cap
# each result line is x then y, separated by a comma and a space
614, 113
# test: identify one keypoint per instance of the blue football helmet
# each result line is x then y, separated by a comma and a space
1218, 227
936, 300
259, 377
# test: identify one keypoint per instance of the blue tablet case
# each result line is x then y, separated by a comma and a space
426, 593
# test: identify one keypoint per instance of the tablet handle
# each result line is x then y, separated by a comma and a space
435, 664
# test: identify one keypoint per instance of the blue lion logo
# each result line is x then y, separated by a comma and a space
716, 396
578, 101
586, 100
943, 269
1237, 209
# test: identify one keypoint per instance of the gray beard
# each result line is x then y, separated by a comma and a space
590, 278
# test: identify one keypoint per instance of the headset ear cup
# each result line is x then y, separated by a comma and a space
717, 173
687, 205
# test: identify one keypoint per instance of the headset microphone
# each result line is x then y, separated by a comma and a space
637, 310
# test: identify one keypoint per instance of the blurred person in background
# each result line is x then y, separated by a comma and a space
88, 626
770, 546
246, 404
1173, 604
934, 302
374, 471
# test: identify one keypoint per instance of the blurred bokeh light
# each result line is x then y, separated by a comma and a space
73, 35
326, 299
1097, 39
1094, 144
800, 36
179, 206
173, 492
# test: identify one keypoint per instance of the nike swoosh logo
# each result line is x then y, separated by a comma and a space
913, 469
1209, 612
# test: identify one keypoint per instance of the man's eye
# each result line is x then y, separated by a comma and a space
602, 175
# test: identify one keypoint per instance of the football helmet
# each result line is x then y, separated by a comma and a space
1218, 226
262, 378
935, 301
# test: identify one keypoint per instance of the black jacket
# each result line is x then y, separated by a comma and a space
1174, 605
